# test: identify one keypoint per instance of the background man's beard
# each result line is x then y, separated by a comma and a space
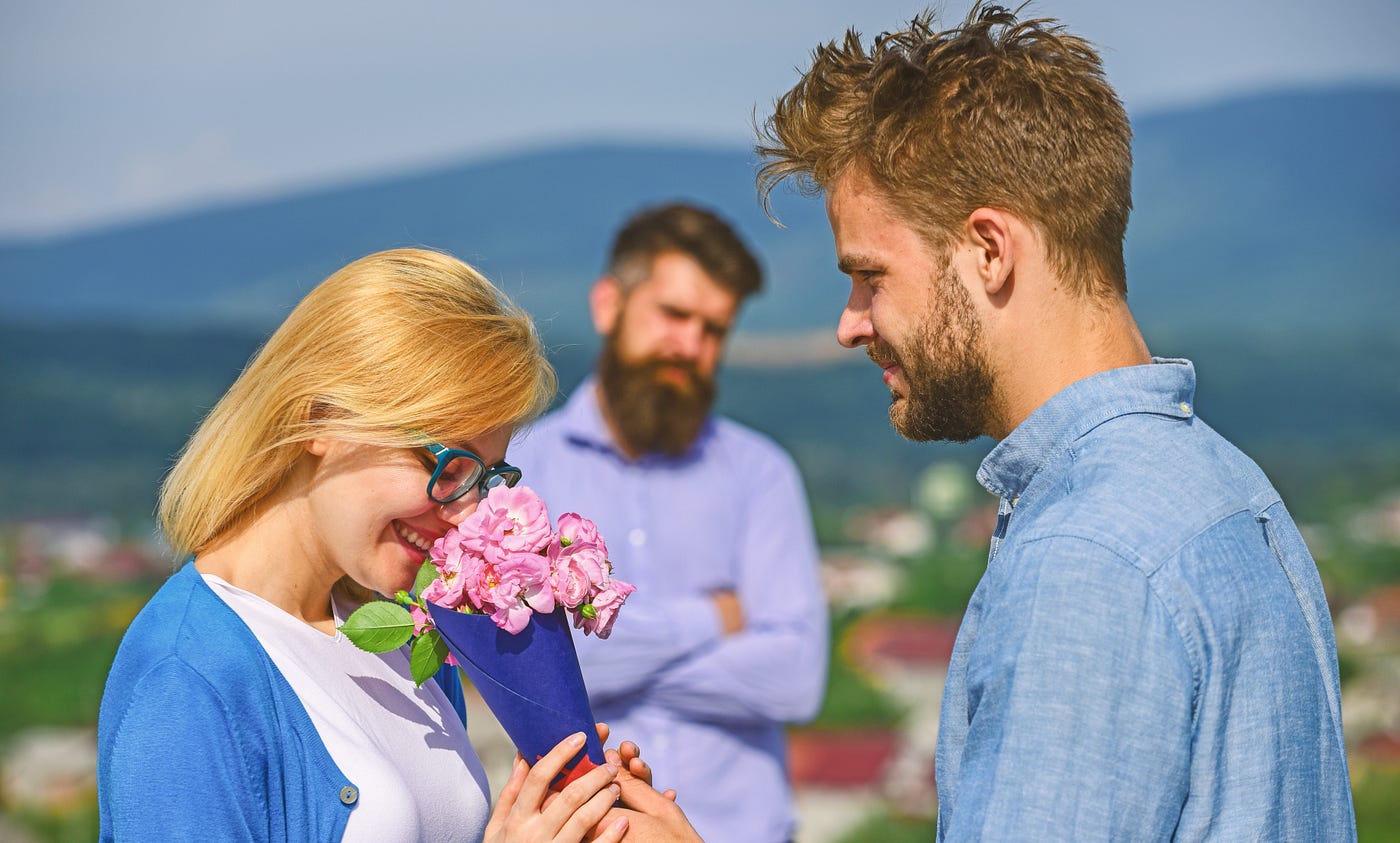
649, 413
950, 384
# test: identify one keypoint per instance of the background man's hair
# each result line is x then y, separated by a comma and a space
698, 234
997, 112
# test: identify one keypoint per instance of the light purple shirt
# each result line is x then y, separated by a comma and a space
707, 710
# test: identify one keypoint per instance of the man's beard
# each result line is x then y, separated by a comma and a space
951, 387
648, 412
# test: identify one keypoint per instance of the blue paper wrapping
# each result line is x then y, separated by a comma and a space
531, 681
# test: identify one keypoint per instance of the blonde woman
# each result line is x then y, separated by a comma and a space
372, 421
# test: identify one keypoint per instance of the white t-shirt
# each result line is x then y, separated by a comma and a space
403, 747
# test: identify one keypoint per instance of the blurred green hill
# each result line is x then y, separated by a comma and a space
94, 415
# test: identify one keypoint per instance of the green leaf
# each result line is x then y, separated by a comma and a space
378, 627
426, 658
426, 575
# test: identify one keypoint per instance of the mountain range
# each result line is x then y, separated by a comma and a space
1262, 242
1249, 213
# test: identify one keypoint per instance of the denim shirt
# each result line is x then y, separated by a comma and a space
1149, 655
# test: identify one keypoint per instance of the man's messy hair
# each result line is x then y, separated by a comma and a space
997, 112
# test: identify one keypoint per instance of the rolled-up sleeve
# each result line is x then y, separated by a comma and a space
775, 669
659, 632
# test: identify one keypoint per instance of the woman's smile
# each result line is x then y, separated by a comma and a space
413, 538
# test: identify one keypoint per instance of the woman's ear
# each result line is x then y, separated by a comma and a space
318, 411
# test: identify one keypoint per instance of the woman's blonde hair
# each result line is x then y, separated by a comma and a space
395, 346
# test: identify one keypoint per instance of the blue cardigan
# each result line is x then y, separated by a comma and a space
201, 738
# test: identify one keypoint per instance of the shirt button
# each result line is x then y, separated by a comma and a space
637, 537
348, 795
1185, 408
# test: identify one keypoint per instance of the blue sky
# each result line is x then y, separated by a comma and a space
111, 112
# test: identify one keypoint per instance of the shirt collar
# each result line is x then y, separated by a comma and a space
1166, 387
583, 424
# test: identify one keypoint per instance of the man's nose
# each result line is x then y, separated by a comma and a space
688, 340
854, 327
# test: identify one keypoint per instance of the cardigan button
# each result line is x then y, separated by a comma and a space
349, 794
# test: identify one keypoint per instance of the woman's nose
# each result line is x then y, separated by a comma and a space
455, 512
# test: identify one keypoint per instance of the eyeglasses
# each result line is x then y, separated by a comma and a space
458, 472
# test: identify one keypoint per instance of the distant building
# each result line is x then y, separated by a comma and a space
88, 547
897, 532
50, 770
857, 580
945, 490
1379, 524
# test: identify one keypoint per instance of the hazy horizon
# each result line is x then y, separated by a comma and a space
115, 113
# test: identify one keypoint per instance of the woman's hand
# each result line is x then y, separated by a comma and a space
523, 814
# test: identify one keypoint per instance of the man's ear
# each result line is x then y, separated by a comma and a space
605, 304
992, 236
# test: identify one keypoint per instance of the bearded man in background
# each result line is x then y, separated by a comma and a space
725, 640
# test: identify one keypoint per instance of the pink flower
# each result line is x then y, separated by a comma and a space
479, 587
421, 619
580, 570
530, 573
438, 590
515, 589
512, 617
508, 520
457, 570
604, 607
575, 529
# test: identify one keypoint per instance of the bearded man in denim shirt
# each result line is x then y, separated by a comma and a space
1149, 655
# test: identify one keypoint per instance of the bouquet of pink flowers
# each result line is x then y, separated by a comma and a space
491, 598
506, 561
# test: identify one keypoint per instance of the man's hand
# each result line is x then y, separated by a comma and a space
627, 758
731, 612
650, 816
